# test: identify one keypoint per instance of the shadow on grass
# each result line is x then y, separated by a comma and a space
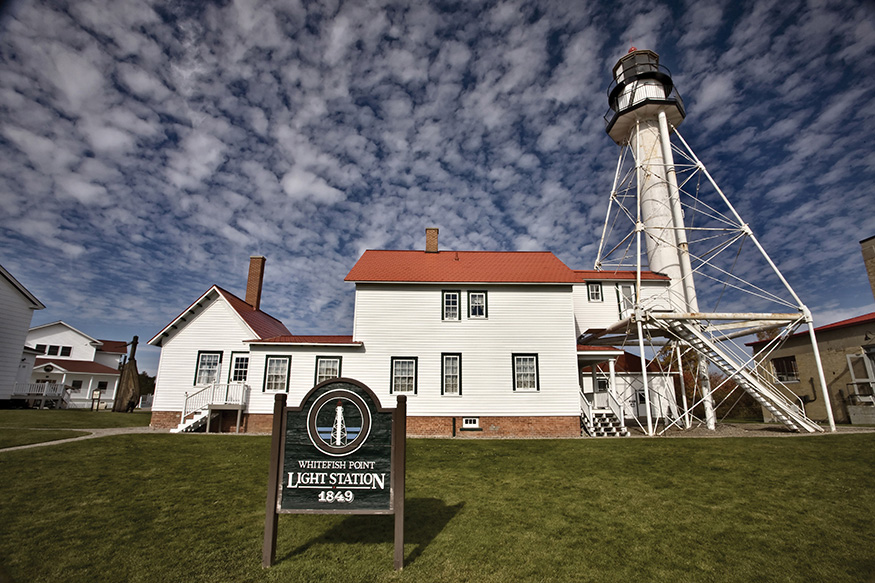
424, 519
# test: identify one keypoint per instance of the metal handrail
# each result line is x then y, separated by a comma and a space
215, 394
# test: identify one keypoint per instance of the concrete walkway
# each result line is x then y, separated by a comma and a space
94, 433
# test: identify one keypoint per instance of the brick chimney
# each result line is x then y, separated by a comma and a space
253, 284
867, 246
431, 240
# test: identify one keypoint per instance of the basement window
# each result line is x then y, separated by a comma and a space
470, 423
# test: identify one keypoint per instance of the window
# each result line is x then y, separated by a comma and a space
451, 374
239, 368
65, 350
785, 369
41, 348
101, 386
77, 385
207, 367
477, 304
594, 290
627, 297
327, 367
451, 301
470, 423
404, 375
276, 373
53, 350
525, 372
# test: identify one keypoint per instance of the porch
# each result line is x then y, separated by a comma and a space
199, 407
51, 395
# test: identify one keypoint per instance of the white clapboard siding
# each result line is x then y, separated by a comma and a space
593, 314
59, 334
405, 321
15, 316
215, 327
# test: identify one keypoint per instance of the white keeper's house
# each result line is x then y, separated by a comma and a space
484, 344
83, 370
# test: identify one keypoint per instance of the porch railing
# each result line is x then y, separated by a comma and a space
38, 389
215, 394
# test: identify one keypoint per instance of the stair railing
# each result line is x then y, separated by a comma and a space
617, 409
586, 407
215, 394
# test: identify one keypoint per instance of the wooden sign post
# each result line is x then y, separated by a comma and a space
337, 452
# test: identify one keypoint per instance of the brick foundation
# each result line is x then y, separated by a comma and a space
526, 427
544, 427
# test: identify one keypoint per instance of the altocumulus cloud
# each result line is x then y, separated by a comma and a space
149, 148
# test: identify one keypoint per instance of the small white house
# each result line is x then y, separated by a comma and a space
86, 369
17, 306
481, 343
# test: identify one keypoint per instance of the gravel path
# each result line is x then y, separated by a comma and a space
94, 433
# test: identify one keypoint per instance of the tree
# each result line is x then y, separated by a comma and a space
147, 383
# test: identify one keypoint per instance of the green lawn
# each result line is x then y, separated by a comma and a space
190, 508
70, 419
16, 437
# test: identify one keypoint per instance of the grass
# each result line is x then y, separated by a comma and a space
16, 437
70, 419
191, 508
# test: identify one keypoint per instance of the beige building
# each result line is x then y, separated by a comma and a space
847, 351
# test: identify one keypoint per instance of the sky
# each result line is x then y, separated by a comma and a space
149, 148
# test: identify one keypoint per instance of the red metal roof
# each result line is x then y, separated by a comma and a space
625, 363
262, 323
81, 366
113, 346
461, 267
864, 319
593, 275
292, 339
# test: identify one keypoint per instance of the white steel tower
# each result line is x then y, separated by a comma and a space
664, 206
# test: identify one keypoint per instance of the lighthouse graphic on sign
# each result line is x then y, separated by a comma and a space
338, 430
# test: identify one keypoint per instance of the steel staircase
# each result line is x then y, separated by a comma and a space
766, 394
604, 424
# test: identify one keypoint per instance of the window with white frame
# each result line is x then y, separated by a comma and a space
470, 423
207, 367
477, 304
451, 304
785, 369
327, 367
276, 373
594, 290
66, 350
451, 374
525, 372
627, 297
239, 368
41, 348
404, 375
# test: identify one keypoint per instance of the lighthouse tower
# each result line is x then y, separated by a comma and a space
643, 103
645, 230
